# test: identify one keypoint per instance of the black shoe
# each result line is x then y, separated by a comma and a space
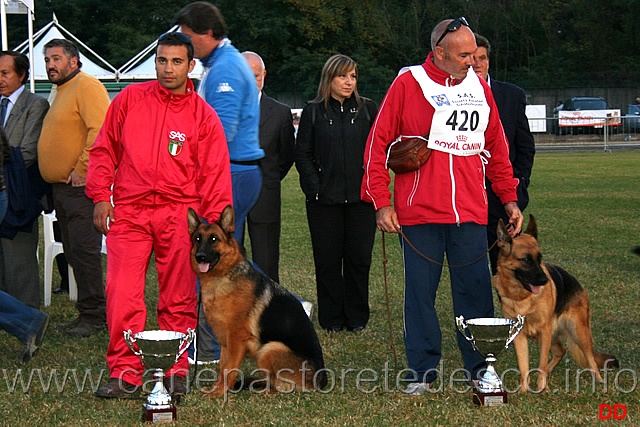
333, 329
70, 325
355, 328
116, 387
34, 341
60, 291
86, 329
175, 385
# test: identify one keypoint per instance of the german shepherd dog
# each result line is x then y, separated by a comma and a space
555, 306
251, 314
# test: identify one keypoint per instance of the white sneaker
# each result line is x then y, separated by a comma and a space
416, 389
308, 308
202, 362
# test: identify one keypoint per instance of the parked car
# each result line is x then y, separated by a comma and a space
579, 103
584, 103
632, 118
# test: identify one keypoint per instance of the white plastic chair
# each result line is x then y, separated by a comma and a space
51, 249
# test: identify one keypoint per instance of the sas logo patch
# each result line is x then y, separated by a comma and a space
176, 141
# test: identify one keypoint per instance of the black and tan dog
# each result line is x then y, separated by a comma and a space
554, 303
252, 315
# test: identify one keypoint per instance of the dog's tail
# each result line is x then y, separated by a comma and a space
636, 250
606, 361
603, 360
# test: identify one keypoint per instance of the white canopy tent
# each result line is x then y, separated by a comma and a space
142, 65
53, 30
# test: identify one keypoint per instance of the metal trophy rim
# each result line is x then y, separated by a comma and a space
490, 381
159, 398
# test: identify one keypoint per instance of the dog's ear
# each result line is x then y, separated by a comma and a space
227, 220
532, 227
193, 220
504, 239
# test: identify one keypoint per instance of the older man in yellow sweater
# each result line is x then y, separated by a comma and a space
68, 132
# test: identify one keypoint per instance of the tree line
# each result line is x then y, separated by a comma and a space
535, 43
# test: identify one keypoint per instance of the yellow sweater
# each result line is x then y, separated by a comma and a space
70, 127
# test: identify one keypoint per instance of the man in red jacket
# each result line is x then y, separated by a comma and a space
442, 207
163, 150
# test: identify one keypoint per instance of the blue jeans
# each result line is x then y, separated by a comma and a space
20, 320
470, 288
246, 186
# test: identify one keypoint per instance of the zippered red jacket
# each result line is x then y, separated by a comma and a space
447, 189
159, 147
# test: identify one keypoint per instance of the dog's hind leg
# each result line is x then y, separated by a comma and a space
580, 343
286, 371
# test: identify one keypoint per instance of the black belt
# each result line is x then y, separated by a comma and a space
246, 162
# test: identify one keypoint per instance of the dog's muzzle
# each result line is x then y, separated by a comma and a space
533, 282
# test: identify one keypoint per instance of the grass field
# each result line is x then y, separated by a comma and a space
587, 206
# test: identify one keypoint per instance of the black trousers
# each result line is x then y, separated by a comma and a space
82, 247
342, 238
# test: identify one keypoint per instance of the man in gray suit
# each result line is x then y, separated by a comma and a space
24, 112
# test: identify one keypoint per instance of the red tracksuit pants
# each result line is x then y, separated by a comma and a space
137, 232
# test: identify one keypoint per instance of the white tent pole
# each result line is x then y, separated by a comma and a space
32, 80
134, 61
3, 24
86, 47
36, 36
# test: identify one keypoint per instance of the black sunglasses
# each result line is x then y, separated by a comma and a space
453, 27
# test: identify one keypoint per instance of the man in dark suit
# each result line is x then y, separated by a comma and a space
511, 101
277, 139
25, 111
278, 142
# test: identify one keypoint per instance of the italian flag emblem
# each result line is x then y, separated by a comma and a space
175, 147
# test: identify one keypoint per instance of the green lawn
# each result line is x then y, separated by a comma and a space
587, 206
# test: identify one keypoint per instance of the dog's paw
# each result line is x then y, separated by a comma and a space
214, 391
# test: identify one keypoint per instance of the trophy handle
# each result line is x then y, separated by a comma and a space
186, 342
515, 329
130, 340
462, 327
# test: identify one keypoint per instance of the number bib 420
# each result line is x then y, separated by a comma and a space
461, 114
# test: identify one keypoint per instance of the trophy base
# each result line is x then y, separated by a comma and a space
158, 413
491, 398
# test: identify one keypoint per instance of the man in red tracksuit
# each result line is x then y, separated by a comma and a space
442, 207
162, 149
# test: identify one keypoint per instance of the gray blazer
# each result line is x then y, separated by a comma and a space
24, 124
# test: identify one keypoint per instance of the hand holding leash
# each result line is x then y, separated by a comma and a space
514, 227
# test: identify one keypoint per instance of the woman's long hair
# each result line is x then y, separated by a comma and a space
336, 65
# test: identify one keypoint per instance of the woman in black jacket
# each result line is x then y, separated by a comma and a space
329, 158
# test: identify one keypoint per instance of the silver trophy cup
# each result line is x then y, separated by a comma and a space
159, 351
489, 337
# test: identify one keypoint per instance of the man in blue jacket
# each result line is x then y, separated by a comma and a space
229, 87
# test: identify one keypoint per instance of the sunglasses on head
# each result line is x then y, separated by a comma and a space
453, 27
